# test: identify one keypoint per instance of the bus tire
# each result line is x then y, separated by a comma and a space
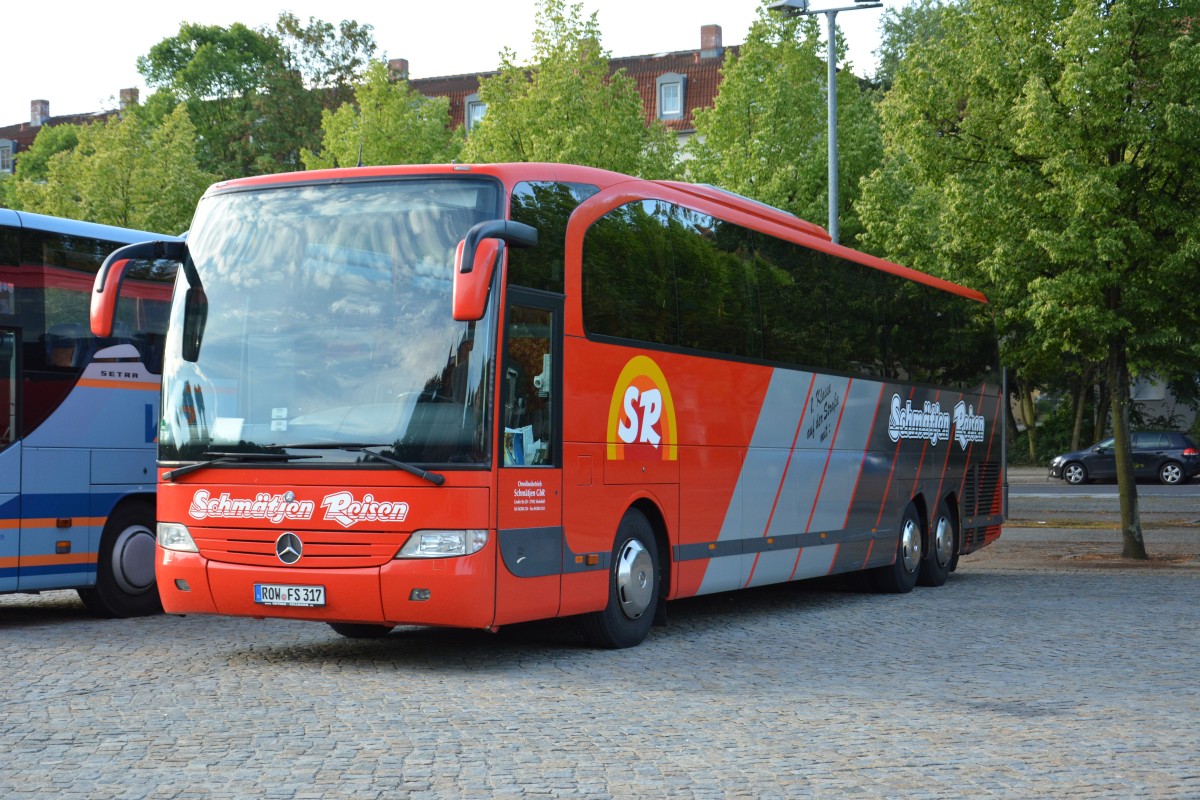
943, 547
355, 630
900, 576
125, 585
634, 584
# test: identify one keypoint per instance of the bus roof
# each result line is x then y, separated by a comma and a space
510, 174
74, 227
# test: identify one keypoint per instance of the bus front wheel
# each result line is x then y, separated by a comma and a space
633, 588
125, 585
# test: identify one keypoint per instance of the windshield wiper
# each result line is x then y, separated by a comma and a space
229, 458
435, 478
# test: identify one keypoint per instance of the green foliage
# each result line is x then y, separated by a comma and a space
34, 163
564, 107
916, 22
766, 135
390, 123
256, 96
331, 59
126, 171
1047, 153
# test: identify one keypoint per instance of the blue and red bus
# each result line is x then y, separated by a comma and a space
475, 395
79, 415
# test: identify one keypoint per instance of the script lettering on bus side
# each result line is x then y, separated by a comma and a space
273, 508
825, 401
928, 422
968, 426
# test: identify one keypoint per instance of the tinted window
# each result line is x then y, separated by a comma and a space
546, 206
628, 280
669, 275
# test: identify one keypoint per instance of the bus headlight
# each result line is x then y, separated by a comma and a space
443, 544
173, 536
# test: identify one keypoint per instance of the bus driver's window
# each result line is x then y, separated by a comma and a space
528, 405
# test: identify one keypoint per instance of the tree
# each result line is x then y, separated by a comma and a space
331, 60
917, 22
1050, 150
766, 135
33, 164
565, 107
256, 96
125, 171
389, 123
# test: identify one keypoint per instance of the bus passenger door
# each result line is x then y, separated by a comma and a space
10, 463
529, 493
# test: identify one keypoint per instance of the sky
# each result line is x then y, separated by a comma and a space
79, 62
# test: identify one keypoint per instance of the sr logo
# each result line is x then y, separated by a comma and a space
641, 415
289, 548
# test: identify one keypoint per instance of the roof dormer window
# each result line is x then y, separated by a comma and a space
670, 93
473, 111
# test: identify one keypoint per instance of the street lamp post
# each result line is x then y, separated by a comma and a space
800, 8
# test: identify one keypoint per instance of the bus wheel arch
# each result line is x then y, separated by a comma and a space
125, 582
635, 586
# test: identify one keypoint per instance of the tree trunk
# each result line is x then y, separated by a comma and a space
1081, 398
1029, 414
1132, 544
1102, 405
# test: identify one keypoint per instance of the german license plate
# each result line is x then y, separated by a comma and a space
275, 594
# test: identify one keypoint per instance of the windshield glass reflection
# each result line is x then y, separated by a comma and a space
329, 322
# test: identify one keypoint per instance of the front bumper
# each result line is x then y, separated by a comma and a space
457, 592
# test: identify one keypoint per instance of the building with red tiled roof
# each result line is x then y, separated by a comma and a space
19, 137
672, 85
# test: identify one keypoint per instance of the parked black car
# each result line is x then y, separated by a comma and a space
1169, 456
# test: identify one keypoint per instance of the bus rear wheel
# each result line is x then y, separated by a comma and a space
900, 576
633, 588
125, 585
943, 545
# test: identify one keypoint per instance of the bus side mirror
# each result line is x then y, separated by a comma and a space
107, 286
476, 259
471, 286
195, 316
104, 298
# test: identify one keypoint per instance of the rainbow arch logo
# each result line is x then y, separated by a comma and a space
641, 416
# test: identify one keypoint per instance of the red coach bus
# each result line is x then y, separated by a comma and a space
479, 395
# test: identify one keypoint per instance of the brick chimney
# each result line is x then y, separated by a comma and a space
710, 41
129, 97
398, 68
39, 112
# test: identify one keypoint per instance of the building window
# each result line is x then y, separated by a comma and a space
473, 111
6, 157
671, 95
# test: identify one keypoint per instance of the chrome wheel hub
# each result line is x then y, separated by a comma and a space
635, 579
943, 541
910, 545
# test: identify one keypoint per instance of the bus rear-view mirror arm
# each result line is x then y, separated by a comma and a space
107, 286
476, 259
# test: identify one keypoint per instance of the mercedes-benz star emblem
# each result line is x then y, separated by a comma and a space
289, 548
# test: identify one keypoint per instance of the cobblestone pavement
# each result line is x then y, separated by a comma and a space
1022, 677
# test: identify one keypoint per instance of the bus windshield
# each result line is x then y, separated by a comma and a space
326, 323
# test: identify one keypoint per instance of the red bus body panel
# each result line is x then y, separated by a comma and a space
759, 473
